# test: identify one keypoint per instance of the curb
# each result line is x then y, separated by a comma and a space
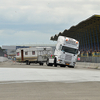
99, 67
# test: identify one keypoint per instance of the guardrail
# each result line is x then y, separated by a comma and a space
89, 59
88, 65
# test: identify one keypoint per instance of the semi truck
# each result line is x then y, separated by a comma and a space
65, 54
33, 55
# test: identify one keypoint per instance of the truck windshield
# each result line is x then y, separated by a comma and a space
69, 50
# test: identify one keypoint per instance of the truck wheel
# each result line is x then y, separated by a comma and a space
55, 62
71, 66
42, 64
62, 65
47, 62
51, 64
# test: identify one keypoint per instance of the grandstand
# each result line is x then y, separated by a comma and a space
86, 32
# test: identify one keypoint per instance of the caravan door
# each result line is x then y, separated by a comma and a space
22, 55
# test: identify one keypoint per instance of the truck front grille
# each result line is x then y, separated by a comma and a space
68, 58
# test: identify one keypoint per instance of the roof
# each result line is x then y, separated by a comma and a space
95, 19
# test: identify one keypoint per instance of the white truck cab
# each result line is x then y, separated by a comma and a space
66, 52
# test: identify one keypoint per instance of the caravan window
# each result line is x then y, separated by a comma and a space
26, 53
17, 53
33, 52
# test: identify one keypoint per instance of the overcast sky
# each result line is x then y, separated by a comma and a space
35, 21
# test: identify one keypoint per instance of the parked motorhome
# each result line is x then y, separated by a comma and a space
33, 55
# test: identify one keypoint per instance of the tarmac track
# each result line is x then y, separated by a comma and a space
52, 90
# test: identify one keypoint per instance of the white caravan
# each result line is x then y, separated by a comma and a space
33, 55
66, 52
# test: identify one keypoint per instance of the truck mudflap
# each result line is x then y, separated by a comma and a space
72, 65
51, 60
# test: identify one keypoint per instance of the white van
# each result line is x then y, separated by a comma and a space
33, 55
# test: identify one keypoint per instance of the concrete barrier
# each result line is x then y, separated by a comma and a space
2, 59
88, 65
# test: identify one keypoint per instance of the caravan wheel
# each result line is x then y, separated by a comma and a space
41, 63
26, 62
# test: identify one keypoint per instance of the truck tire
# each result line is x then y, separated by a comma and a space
62, 65
42, 64
71, 66
55, 62
51, 64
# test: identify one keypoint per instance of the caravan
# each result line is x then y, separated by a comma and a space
33, 55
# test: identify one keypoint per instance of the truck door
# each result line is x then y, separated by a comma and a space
22, 55
61, 53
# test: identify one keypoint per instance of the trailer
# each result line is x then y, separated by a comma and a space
33, 55
65, 54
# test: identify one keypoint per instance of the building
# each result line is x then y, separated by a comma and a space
2, 53
11, 50
86, 32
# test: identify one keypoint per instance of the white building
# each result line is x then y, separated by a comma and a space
11, 49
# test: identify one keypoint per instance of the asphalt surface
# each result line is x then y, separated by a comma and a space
56, 88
